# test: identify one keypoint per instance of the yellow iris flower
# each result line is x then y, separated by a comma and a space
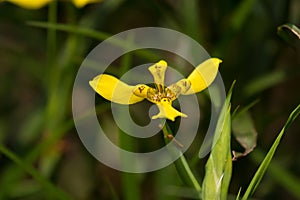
119, 92
36, 4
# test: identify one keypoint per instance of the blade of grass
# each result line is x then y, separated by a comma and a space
279, 174
237, 112
53, 190
92, 34
239, 194
266, 162
98, 35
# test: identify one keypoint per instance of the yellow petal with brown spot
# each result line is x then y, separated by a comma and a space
114, 90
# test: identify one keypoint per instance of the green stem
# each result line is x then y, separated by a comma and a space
181, 164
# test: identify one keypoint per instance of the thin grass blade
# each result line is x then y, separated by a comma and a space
266, 162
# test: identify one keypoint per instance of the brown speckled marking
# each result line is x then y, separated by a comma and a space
141, 88
155, 96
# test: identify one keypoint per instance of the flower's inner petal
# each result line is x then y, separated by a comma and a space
158, 72
114, 90
203, 76
167, 111
181, 87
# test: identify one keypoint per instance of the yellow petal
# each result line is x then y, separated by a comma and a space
158, 72
82, 3
167, 111
30, 4
114, 90
203, 75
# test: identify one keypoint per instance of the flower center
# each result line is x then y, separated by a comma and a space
155, 96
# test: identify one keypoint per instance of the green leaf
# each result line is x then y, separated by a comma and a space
290, 34
219, 165
244, 132
265, 163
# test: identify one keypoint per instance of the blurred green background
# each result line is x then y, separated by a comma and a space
42, 156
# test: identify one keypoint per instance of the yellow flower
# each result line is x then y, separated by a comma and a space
37, 4
117, 91
30, 4
82, 3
